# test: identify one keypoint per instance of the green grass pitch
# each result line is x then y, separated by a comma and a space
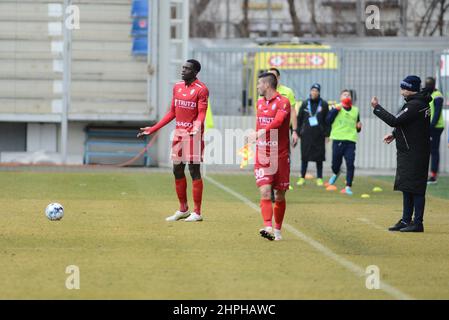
114, 230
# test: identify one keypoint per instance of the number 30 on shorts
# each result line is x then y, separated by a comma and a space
259, 173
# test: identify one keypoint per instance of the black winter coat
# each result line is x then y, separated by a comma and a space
313, 138
412, 125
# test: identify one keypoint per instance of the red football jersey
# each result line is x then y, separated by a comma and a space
266, 112
187, 101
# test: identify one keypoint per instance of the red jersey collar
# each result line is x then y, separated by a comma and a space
193, 83
277, 94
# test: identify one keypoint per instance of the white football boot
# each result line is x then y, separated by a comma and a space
194, 217
267, 233
277, 235
178, 215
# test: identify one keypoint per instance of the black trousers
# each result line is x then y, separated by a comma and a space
319, 169
346, 150
435, 137
413, 202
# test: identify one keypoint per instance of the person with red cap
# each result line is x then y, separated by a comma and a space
344, 120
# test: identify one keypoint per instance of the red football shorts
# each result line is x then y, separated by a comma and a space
187, 149
276, 176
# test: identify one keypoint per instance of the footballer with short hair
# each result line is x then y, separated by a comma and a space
188, 107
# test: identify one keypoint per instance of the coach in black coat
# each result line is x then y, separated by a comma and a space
313, 136
313, 129
412, 134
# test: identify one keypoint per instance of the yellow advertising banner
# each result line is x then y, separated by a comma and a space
296, 60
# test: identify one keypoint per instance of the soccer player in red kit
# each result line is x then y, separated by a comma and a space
188, 107
272, 166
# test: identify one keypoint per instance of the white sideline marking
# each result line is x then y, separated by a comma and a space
357, 270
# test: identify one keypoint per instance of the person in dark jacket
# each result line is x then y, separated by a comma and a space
412, 134
312, 129
436, 128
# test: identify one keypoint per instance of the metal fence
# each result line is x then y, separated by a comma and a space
231, 74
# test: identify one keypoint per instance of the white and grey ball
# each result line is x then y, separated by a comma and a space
54, 211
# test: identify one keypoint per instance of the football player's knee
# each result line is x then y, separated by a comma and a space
279, 195
265, 193
178, 171
195, 171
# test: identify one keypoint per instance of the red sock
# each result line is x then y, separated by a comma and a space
279, 212
267, 212
433, 174
197, 194
181, 191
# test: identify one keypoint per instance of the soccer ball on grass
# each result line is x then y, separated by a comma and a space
54, 211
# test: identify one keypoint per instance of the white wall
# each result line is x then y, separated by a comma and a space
76, 138
41, 137
44, 143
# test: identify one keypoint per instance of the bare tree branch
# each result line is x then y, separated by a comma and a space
316, 28
295, 20
444, 8
243, 26
429, 17
424, 17
198, 10
440, 22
